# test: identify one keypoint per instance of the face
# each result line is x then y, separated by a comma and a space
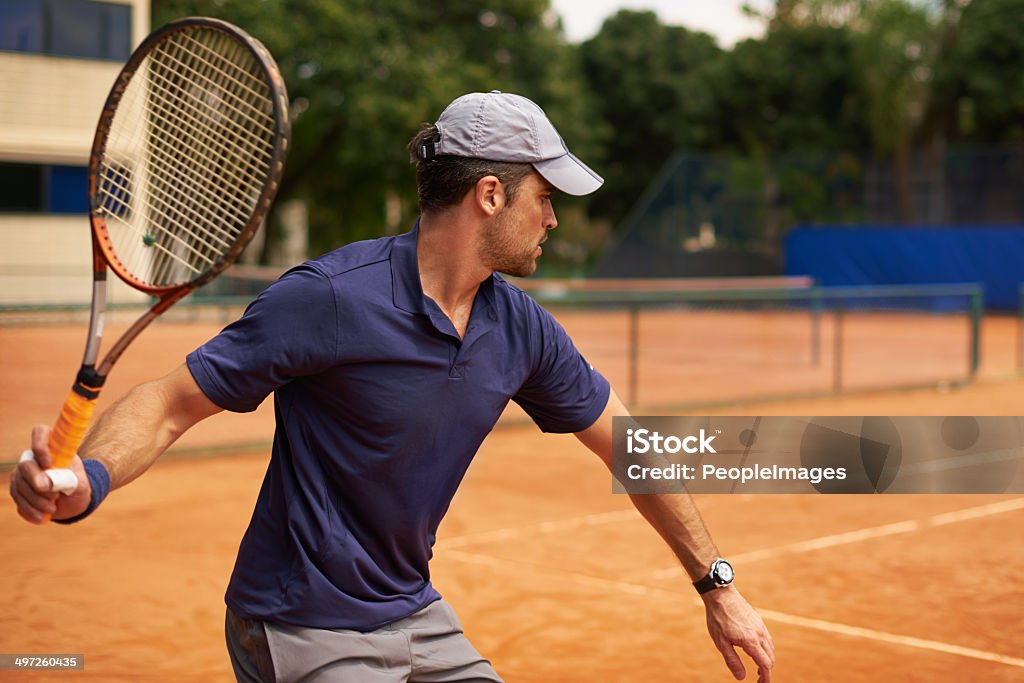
511, 243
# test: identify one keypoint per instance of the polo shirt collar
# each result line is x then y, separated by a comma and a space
407, 291
405, 272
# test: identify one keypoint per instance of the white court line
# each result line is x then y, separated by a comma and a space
975, 512
597, 519
895, 639
570, 524
859, 535
770, 615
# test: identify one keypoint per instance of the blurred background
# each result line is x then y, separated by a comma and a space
714, 146
790, 150
812, 207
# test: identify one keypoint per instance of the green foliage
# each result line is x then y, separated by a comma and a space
363, 75
792, 90
981, 77
829, 81
655, 92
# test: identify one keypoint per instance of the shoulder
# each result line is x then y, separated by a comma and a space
514, 298
352, 257
526, 316
355, 272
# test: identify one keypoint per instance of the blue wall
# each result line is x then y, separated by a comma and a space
845, 256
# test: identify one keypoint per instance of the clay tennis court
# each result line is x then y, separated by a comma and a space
555, 578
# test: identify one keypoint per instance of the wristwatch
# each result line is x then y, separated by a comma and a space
720, 576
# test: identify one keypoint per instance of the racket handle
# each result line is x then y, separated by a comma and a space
72, 423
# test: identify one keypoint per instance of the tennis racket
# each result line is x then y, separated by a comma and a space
185, 164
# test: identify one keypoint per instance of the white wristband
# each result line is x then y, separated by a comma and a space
64, 480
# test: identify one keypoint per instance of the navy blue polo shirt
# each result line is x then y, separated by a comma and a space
380, 408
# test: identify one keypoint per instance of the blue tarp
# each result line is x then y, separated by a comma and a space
866, 255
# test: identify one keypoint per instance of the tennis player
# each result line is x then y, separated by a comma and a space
390, 360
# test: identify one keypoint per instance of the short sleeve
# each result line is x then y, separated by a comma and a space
564, 393
289, 331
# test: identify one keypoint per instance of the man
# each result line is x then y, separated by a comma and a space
390, 361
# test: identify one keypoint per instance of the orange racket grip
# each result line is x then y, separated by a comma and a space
72, 423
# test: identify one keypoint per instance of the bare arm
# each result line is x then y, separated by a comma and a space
731, 620
136, 430
127, 439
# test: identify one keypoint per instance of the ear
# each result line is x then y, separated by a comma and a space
489, 195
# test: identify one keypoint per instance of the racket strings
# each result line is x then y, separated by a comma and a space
216, 136
250, 92
188, 155
175, 98
169, 159
160, 206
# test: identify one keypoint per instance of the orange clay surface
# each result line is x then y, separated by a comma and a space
555, 578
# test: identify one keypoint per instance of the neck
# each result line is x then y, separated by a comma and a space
449, 262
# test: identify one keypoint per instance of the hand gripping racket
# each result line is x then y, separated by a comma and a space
186, 161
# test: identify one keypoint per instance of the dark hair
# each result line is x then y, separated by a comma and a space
442, 181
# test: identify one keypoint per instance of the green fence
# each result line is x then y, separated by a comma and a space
684, 347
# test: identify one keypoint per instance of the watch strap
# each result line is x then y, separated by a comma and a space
706, 583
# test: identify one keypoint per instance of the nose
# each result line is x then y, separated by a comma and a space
550, 221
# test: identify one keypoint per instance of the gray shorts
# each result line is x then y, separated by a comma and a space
426, 647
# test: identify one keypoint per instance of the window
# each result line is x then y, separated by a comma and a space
67, 190
21, 25
36, 188
21, 188
70, 28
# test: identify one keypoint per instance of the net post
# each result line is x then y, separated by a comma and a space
634, 352
1020, 328
837, 353
816, 306
977, 307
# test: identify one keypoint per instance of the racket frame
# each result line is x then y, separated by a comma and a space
79, 405
104, 254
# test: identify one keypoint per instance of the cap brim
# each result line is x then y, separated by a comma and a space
569, 174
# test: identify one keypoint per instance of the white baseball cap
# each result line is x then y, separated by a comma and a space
500, 126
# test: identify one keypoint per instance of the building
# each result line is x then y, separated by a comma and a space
58, 60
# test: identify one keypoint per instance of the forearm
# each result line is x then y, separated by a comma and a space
130, 435
731, 620
676, 518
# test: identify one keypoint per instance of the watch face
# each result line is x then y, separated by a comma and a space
723, 572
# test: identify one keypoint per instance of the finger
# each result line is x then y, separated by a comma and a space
31, 517
31, 507
33, 475
761, 658
732, 660
769, 647
40, 445
26, 487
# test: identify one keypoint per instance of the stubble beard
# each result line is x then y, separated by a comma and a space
503, 252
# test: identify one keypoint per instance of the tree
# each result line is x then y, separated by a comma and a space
654, 92
363, 75
792, 90
979, 80
893, 47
